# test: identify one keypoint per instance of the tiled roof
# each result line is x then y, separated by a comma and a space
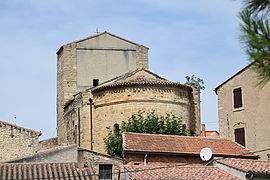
157, 173
44, 171
137, 77
247, 165
19, 127
157, 143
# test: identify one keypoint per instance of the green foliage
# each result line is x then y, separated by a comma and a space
195, 82
142, 122
256, 36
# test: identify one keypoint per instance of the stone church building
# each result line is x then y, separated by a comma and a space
103, 79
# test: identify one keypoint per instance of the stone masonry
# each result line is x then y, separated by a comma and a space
114, 103
16, 141
99, 57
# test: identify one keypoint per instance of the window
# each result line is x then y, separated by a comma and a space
105, 172
268, 156
237, 98
239, 135
95, 82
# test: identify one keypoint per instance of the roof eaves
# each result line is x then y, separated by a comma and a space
239, 72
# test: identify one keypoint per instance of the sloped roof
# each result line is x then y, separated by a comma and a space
157, 143
247, 165
140, 76
99, 34
174, 172
55, 171
239, 72
19, 127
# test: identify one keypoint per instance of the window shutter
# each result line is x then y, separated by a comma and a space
239, 135
237, 98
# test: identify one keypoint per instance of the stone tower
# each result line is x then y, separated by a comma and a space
90, 61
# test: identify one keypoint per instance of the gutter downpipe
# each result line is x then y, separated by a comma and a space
145, 159
91, 122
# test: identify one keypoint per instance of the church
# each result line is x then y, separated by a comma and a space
104, 79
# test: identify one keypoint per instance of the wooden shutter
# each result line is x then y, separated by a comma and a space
237, 98
239, 135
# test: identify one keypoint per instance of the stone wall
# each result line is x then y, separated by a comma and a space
253, 116
78, 63
57, 154
48, 143
94, 159
17, 142
117, 105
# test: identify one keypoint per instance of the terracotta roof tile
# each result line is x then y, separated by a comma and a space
24, 171
139, 76
157, 173
181, 144
247, 165
19, 127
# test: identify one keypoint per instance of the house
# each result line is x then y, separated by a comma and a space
245, 168
209, 134
101, 165
175, 172
165, 150
244, 111
17, 141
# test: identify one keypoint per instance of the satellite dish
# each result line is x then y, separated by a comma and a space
206, 154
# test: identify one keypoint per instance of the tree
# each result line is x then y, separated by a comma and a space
195, 82
256, 36
142, 122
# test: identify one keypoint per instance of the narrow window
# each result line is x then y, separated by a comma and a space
239, 135
237, 98
95, 82
105, 172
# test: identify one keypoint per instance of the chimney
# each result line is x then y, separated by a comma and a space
203, 130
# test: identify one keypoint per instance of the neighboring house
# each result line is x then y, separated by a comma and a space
56, 171
88, 115
103, 166
209, 134
244, 111
17, 141
245, 168
158, 173
163, 150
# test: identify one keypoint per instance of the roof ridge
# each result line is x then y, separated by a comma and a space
68, 162
199, 137
237, 159
20, 127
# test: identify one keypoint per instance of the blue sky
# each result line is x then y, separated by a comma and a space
198, 37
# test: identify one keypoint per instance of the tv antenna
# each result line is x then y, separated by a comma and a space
97, 31
206, 154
